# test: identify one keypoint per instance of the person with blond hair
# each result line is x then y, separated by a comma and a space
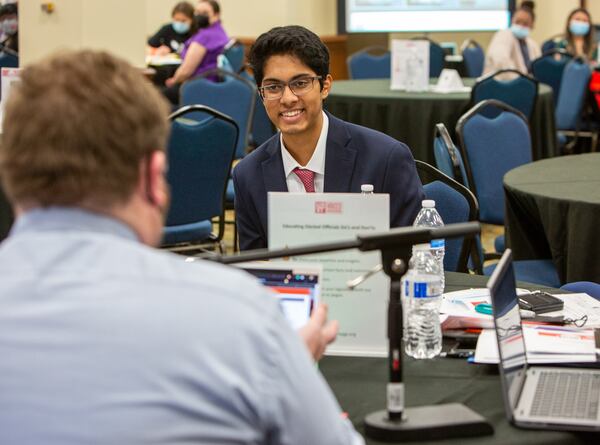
105, 339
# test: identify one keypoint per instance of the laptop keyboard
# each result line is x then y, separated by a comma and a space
572, 395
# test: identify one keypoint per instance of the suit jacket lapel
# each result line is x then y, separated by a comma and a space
272, 169
340, 157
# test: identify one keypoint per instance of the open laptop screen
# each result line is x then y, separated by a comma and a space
511, 344
297, 286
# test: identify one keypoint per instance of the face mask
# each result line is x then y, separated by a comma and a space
578, 28
180, 27
202, 21
9, 26
520, 32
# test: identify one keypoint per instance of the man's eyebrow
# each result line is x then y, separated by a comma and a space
297, 76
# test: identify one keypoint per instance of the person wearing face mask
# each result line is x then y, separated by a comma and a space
170, 38
579, 36
10, 27
513, 48
200, 51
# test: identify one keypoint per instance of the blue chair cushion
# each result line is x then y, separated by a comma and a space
194, 232
500, 244
586, 287
230, 196
540, 272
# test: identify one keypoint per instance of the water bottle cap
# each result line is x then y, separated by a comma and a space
367, 188
428, 203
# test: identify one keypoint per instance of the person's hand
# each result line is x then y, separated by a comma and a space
170, 82
162, 50
319, 332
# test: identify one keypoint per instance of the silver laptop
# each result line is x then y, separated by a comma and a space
538, 396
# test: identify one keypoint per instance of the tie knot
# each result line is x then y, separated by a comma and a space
307, 177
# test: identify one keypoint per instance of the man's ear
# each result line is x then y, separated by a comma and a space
326, 86
155, 182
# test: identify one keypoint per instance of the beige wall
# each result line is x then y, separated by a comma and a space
83, 24
94, 23
249, 19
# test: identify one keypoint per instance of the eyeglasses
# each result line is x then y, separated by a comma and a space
299, 87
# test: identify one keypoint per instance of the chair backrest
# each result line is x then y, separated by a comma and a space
447, 157
235, 52
365, 65
235, 97
549, 69
585, 287
224, 64
262, 129
437, 56
573, 91
455, 204
490, 148
200, 155
473, 58
8, 60
519, 92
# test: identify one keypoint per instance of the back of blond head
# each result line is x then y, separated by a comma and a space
75, 129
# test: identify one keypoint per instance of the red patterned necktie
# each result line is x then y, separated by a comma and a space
307, 177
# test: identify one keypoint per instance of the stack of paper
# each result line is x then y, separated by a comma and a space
544, 344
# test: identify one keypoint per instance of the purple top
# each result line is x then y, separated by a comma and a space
214, 40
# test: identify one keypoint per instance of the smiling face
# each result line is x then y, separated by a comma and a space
294, 115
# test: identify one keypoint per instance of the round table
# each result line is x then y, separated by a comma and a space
553, 211
410, 117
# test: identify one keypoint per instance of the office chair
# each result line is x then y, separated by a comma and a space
549, 69
234, 97
455, 204
235, 53
520, 92
447, 157
200, 156
570, 105
473, 58
586, 287
373, 62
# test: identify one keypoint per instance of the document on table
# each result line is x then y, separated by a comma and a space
544, 344
298, 219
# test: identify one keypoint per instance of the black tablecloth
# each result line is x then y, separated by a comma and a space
359, 385
553, 211
411, 117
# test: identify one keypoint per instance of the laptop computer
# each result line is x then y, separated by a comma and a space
541, 397
298, 287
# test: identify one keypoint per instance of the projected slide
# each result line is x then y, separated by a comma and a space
426, 15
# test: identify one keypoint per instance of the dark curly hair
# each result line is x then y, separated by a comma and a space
296, 41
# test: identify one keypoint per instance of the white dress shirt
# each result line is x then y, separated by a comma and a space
316, 163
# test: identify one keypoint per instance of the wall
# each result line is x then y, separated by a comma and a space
115, 25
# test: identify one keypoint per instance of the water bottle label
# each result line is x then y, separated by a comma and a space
395, 397
437, 243
420, 290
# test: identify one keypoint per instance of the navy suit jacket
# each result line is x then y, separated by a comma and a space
354, 156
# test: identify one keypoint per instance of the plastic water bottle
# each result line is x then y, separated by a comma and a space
429, 217
422, 298
367, 189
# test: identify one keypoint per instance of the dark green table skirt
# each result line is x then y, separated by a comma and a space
359, 385
553, 211
411, 117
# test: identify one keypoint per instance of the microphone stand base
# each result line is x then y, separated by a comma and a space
425, 423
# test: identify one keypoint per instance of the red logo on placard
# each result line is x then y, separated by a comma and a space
328, 207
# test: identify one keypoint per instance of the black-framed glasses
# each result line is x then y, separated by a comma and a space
299, 86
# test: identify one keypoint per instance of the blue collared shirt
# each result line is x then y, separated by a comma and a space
106, 341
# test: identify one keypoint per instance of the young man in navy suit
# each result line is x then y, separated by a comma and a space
314, 151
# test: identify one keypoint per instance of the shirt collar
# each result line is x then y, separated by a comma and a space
70, 219
317, 161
